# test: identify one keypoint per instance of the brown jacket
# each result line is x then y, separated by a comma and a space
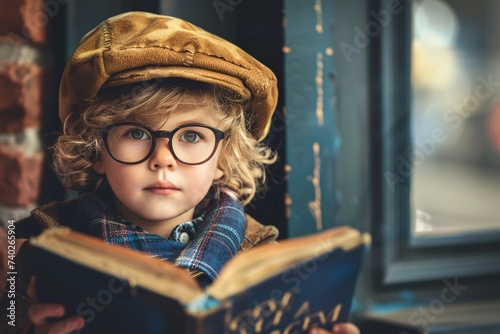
55, 214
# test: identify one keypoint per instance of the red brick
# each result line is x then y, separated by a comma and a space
20, 97
20, 177
25, 20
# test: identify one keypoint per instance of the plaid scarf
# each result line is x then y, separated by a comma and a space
217, 236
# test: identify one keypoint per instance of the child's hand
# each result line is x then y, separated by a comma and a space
38, 314
343, 328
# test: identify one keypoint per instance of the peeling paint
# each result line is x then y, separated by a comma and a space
319, 88
287, 169
315, 206
288, 200
288, 203
319, 16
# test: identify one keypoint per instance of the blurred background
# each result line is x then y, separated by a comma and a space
388, 120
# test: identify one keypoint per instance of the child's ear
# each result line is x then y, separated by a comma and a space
218, 174
99, 167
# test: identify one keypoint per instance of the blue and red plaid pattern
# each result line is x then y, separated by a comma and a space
219, 233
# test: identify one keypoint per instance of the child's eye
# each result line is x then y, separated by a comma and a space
190, 137
137, 134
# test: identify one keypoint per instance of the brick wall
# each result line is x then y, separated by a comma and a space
25, 52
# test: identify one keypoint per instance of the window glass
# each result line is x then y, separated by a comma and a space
455, 160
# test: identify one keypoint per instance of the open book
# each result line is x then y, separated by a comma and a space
275, 288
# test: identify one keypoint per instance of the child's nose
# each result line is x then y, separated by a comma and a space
162, 157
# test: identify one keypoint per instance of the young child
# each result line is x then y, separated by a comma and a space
162, 123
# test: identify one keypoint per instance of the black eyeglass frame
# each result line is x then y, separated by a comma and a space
219, 135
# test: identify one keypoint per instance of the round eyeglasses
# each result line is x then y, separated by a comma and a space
133, 143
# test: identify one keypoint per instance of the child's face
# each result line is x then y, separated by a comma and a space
162, 192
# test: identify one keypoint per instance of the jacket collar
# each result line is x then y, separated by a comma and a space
61, 213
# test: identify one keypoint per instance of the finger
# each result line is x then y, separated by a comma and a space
62, 327
345, 328
38, 313
31, 290
317, 330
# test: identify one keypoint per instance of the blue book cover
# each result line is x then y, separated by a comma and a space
286, 287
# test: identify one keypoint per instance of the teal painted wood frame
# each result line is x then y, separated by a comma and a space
312, 138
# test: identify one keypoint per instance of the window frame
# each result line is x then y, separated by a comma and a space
400, 258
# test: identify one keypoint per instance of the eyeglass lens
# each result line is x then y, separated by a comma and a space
132, 143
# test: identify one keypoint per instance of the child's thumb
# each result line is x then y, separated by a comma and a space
31, 290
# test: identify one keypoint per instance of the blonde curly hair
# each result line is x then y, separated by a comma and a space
243, 159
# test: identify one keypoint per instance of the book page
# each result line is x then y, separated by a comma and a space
259, 263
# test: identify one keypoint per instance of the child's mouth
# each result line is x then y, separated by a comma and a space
161, 188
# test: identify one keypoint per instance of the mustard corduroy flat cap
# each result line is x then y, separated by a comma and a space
138, 46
